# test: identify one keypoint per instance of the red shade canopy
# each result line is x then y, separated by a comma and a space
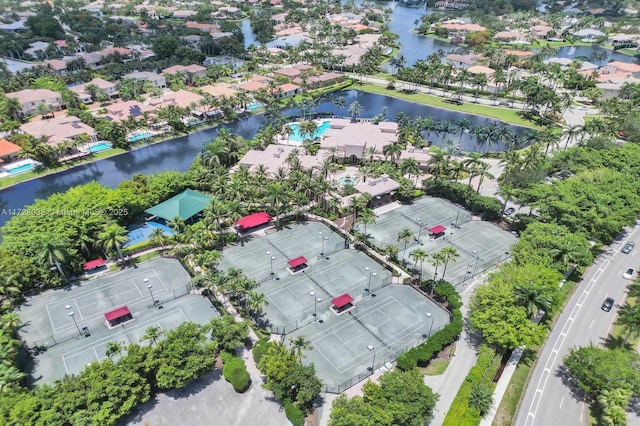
297, 261
117, 313
92, 264
341, 301
438, 229
253, 220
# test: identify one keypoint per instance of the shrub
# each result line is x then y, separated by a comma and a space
235, 372
259, 349
294, 414
490, 207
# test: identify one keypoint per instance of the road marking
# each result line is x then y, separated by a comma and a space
591, 324
561, 401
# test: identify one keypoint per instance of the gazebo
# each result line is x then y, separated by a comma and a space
93, 264
437, 231
184, 205
298, 264
118, 316
253, 220
342, 303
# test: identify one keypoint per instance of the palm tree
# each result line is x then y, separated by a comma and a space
114, 348
153, 335
158, 238
366, 217
10, 377
405, 235
436, 260
483, 171
570, 133
354, 110
276, 195
410, 167
532, 297
438, 164
449, 254
629, 319
419, 255
113, 237
255, 302
177, 225
308, 129
53, 250
506, 192
298, 345
216, 211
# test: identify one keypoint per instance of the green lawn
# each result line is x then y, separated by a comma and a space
503, 114
509, 404
436, 367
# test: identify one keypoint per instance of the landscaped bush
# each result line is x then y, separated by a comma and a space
259, 349
235, 372
294, 414
489, 207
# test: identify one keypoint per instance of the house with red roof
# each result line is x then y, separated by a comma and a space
8, 151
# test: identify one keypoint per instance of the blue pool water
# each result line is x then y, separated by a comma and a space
142, 233
251, 107
139, 136
296, 136
102, 146
347, 180
20, 169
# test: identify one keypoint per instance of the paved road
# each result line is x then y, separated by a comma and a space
547, 400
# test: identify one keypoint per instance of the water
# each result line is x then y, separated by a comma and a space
179, 153
347, 180
251, 107
296, 136
101, 146
142, 233
249, 36
20, 169
139, 136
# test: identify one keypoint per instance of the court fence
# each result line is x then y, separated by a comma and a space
175, 294
377, 363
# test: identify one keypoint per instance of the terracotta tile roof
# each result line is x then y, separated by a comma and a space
8, 148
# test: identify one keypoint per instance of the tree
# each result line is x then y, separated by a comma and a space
113, 237
54, 251
255, 303
366, 217
405, 235
449, 254
481, 398
114, 349
629, 319
300, 344
436, 260
419, 255
227, 333
354, 110
153, 335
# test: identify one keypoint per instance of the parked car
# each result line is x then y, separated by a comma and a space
607, 304
628, 274
509, 211
628, 247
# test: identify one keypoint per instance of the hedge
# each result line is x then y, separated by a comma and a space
460, 414
294, 414
425, 352
259, 349
235, 372
489, 207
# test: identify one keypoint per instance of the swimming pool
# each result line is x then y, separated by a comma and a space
142, 233
100, 146
296, 136
251, 107
21, 168
345, 180
139, 136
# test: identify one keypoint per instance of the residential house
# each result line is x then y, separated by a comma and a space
8, 151
192, 70
451, 4
121, 111
622, 67
285, 90
228, 12
293, 71
353, 139
209, 28
481, 69
461, 61
289, 41
193, 41
57, 66
37, 49
107, 86
256, 83
541, 32
624, 39
321, 80
461, 30
513, 37
219, 90
14, 27
59, 129
588, 35
179, 98
30, 98
158, 80
183, 14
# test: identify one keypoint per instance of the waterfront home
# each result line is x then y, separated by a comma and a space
228, 12
183, 14
541, 32
209, 28
352, 140
156, 79
451, 4
320, 80
588, 35
179, 98
8, 151
285, 90
192, 70
611, 87
59, 129
513, 37
256, 83
461, 30
30, 98
461, 61
624, 39
289, 41
219, 90
293, 71
81, 89
121, 111
621, 67
275, 157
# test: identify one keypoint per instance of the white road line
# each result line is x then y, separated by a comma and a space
561, 401
592, 321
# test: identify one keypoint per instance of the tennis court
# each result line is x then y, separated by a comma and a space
70, 323
383, 326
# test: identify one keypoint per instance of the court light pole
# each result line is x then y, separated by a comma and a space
420, 230
315, 305
373, 363
271, 259
371, 274
457, 215
323, 238
477, 260
150, 286
72, 315
428, 314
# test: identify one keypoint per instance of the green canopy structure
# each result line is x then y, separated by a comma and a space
184, 205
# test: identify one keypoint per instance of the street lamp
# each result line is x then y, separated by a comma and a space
428, 314
477, 259
371, 274
72, 315
315, 305
420, 230
373, 363
457, 215
271, 259
323, 240
150, 286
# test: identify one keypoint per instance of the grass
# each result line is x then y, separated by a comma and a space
503, 114
436, 367
618, 332
509, 404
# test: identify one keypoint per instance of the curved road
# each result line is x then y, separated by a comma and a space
547, 401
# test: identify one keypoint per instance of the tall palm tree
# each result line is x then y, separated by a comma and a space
354, 110
449, 254
629, 319
483, 172
157, 237
217, 211
300, 344
153, 335
419, 255
436, 260
53, 250
366, 217
276, 195
255, 302
410, 167
532, 297
506, 192
113, 237
405, 235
